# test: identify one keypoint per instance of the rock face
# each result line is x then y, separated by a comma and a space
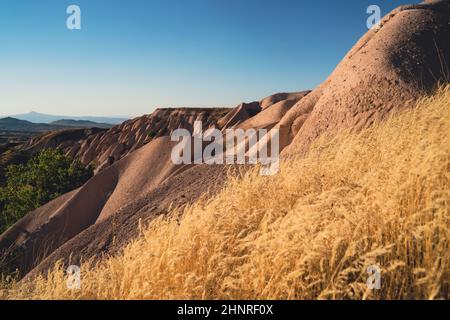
105, 148
288, 98
239, 114
102, 147
386, 71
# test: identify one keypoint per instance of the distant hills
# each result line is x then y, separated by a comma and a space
13, 124
81, 124
15, 131
37, 117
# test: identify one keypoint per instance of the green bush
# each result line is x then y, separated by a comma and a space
42, 179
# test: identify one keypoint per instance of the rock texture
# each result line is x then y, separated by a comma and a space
103, 149
387, 70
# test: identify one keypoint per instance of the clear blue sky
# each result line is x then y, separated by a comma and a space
134, 55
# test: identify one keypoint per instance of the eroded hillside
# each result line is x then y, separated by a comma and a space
136, 180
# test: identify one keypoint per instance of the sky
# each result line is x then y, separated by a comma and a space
132, 56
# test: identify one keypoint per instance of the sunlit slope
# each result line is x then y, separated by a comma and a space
380, 197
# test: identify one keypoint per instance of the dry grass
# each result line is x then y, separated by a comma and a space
378, 197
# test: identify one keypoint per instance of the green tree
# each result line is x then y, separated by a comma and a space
43, 178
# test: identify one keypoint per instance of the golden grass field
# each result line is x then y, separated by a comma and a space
381, 196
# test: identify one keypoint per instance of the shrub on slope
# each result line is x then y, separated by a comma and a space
43, 178
380, 197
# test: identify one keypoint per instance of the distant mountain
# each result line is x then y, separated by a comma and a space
12, 124
37, 117
81, 124
17, 125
